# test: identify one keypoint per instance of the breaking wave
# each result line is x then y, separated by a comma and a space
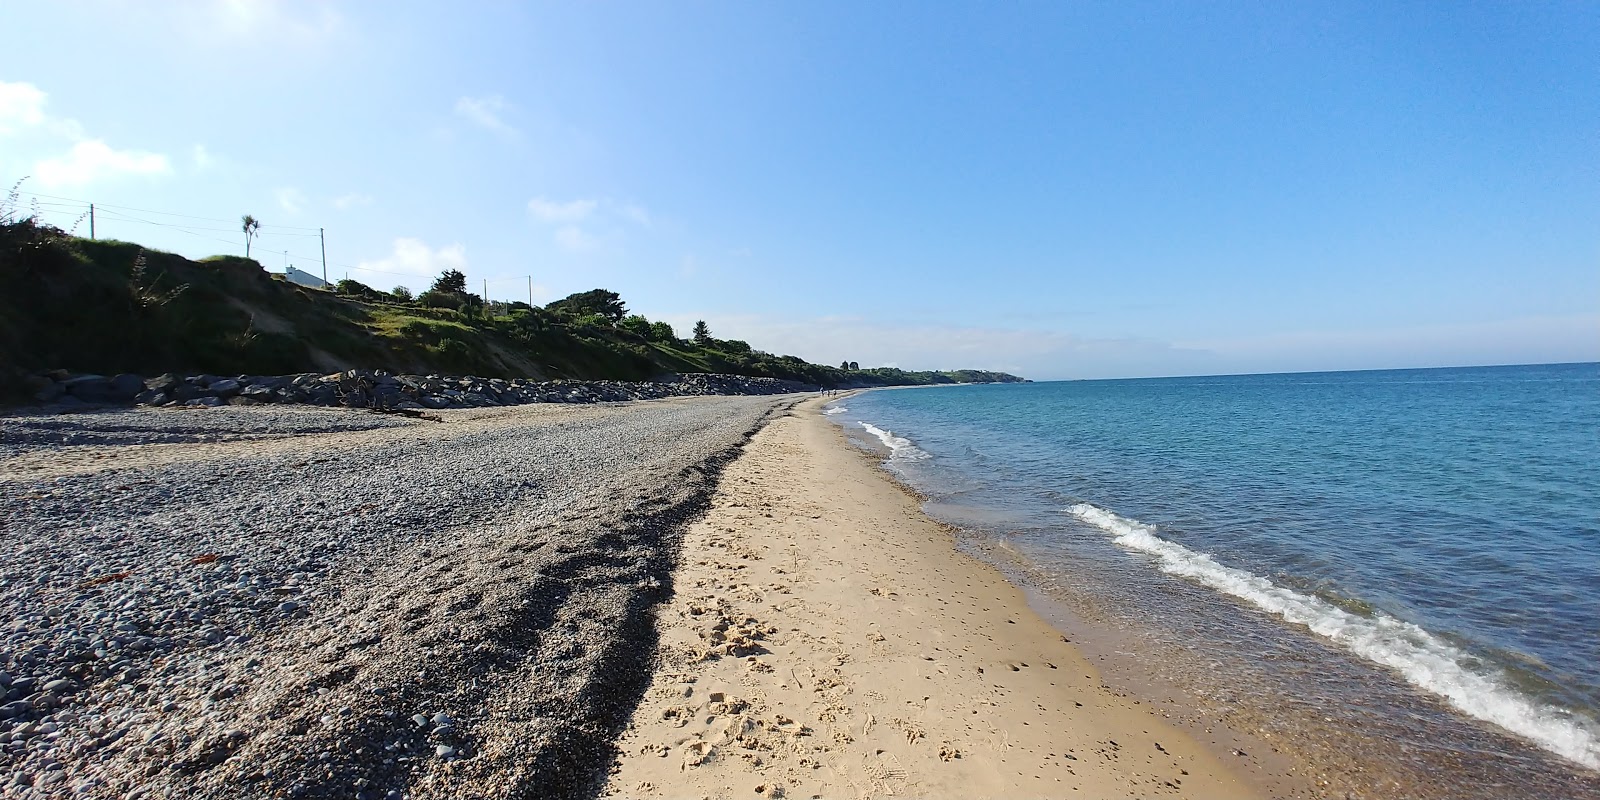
1422, 658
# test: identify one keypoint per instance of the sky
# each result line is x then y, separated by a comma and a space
1055, 189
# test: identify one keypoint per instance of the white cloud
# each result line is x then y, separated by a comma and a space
351, 200
202, 157
86, 160
486, 112
21, 106
291, 199
91, 160
550, 211
414, 257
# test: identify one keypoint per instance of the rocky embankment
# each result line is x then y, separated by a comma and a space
293, 602
379, 389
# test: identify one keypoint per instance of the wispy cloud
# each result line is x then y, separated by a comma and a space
588, 224
291, 199
486, 112
576, 240
547, 210
276, 22
86, 159
413, 257
346, 202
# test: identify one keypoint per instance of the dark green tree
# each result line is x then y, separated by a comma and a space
401, 293
662, 332
451, 281
595, 301
854, 366
844, 365
702, 332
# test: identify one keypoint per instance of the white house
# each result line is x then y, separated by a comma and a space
304, 278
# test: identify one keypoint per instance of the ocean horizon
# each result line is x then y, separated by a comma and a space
1406, 560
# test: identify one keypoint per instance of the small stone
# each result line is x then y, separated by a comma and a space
288, 606
444, 751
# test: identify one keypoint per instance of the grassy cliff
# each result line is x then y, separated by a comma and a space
110, 307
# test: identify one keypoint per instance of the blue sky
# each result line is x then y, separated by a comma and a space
1063, 190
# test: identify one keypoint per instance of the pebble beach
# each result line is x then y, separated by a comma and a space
289, 601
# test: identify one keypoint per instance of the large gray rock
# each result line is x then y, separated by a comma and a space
89, 388
225, 387
126, 386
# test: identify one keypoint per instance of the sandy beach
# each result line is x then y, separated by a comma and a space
826, 639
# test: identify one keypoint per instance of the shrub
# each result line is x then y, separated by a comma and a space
402, 294
356, 288
437, 299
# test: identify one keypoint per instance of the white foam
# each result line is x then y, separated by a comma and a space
900, 448
1421, 657
835, 410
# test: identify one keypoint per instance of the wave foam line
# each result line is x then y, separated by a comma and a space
900, 448
835, 410
1421, 657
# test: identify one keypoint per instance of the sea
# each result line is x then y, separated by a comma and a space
1359, 584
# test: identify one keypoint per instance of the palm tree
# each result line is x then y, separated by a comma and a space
252, 227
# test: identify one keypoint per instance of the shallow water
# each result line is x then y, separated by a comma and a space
1396, 574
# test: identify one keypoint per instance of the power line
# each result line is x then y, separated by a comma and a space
163, 213
126, 217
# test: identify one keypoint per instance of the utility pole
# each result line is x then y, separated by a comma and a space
91, 222
530, 290
487, 314
324, 241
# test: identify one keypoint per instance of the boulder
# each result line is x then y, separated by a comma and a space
49, 392
126, 386
166, 383
225, 387
89, 388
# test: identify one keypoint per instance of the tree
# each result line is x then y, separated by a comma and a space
252, 229
844, 365
451, 281
702, 332
595, 301
854, 366
636, 325
401, 293
662, 332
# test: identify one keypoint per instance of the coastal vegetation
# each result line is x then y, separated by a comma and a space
109, 307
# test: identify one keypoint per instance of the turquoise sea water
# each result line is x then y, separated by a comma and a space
1437, 530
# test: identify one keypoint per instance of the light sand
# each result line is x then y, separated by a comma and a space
826, 639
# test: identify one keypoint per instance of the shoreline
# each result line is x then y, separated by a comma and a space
826, 637
1353, 728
